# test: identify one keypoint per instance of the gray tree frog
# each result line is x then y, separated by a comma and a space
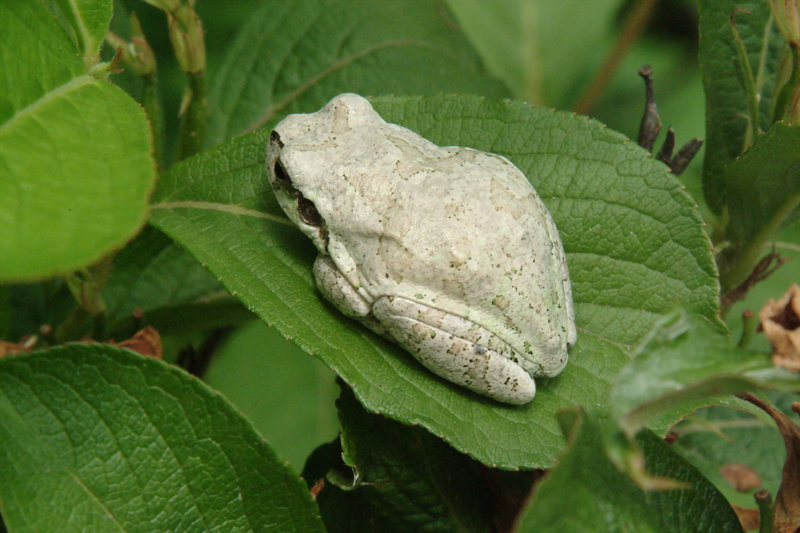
448, 251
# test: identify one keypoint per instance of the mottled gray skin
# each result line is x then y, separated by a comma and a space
446, 250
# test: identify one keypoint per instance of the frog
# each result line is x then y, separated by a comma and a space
447, 251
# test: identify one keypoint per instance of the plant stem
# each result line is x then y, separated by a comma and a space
765, 510
748, 321
195, 119
152, 108
749, 83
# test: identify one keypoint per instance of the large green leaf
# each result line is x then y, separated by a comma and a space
94, 438
633, 238
763, 194
586, 493
295, 56
724, 81
535, 46
684, 362
405, 479
75, 158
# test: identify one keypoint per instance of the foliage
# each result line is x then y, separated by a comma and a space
134, 196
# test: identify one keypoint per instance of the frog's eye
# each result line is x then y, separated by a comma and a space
308, 212
280, 173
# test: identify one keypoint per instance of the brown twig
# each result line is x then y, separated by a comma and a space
763, 269
196, 361
650, 126
684, 156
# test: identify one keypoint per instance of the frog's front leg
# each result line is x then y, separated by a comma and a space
456, 349
338, 291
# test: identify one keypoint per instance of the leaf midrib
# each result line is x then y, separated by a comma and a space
60, 91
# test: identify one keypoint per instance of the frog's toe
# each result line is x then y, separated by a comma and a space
475, 365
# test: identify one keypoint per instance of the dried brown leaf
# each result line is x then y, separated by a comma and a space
740, 476
146, 341
780, 321
749, 518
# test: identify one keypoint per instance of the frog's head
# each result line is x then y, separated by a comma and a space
300, 154
297, 207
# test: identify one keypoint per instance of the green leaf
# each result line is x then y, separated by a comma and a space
536, 47
685, 361
293, 57
724, 81
409, 480
763, 194
89, 20
719, 436
586, 493
35, 304
29, 30
76, 166
151, 273
95, 438
613, 205
285, 393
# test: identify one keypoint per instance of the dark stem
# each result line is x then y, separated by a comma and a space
196, 361
684, 156
766, 511
650, 126
665, 154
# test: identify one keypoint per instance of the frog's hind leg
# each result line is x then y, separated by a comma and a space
456, 349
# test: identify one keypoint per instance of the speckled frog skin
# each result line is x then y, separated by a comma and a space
448, 251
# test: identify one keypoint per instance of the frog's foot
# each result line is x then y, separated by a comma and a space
456, 349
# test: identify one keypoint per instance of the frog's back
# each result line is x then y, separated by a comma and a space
467, 234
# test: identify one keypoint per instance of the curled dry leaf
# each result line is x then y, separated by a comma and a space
780, 321
740, 476
146, 341
23, 346
747, 517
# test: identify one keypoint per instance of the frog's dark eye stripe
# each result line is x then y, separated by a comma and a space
308, 212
